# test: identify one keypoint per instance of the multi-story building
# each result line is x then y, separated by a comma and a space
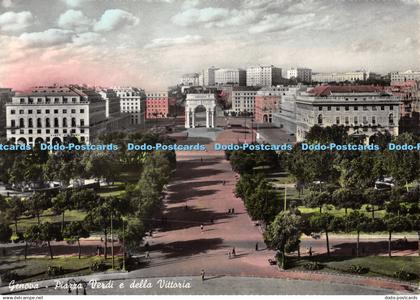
192, 79
233, 77
363, 110
243, 100
263, 76
133, 103
209, 76
340, 77
285, 117
300, 74
267, 101
404, 76
157, 105
5, 96
54, 114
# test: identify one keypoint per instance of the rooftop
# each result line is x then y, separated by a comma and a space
327, 90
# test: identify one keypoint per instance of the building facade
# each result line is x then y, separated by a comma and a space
285, 117
300, 74
54, 114
133, 103
404, 76
267, 101
209, 76
363, 110
157, 105
190, 79
339, 77
263, 76
234, 77
6, 95
243, 100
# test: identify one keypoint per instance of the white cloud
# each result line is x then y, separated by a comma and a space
88, 38
196, 16
73, 3
168, 42
277, 22
113, 19
75, 20
190, 4
47, 38
7, 3
12, 22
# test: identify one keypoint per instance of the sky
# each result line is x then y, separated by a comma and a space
151, 43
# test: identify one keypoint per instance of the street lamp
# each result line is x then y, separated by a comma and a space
123, 232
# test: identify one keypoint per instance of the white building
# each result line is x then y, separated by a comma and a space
190, 79
263, 76
133, 103
208, 76
5, 96
285, 117
243, 100
54, 114
363, 110
300, 74
230, 77
339, 77
404, 76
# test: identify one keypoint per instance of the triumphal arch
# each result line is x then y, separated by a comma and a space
194, 101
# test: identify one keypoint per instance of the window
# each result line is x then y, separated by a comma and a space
356, 108
391, 119
64, 111
347, 120
365, 121
39, 131
329, 108
355, 120
73, 111
30, 123
347, 108
47, 122
21, 112
337, 120
56, 122
373, 120
13, 123
12, 112
47, 131
30, 111
38, 122
373, 107
382, 107
21, 122
365, 108
64, 122
56, 111
391, 107
319, 119
319, 107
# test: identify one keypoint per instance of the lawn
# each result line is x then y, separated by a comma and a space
34, 269
49, 216
379, 266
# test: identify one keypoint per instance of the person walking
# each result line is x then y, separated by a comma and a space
256, 246
310, 250
233, 252
233, 211
202, 227
202, 274
147, 254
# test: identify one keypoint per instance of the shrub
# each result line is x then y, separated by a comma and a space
404, 275
357, 269
8, 276
313, 266
16, 238
55, 270
98, 266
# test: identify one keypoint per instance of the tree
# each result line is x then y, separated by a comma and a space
375, 198
346, 198
31, 234
415, 225
49, 232
317, 199
403, 166
284, 233
356, 221
15, 210
37, 203
60, 203
242, 162
134, 234
395, 224
323, 222
102, 164
5, 233
74, 231
263, 204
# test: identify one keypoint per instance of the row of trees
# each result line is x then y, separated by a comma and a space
35, 167
127, 215
285, 232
